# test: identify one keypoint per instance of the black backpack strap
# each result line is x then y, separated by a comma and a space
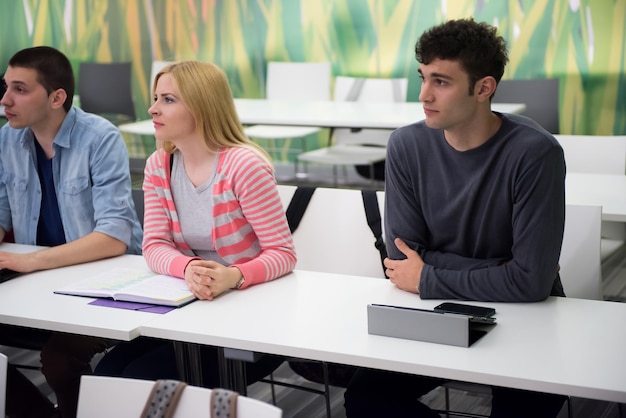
372, 213
297, 206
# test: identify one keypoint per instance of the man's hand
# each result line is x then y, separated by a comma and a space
209, 279
405, 274
24, 263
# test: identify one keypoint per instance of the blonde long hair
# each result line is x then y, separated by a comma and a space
205, 91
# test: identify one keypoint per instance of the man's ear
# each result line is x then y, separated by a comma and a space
57, 98
485, 88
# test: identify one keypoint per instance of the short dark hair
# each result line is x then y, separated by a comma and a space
54, 70
477, 47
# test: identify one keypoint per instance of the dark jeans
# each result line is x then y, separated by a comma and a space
153, 359
377, 393
64, 359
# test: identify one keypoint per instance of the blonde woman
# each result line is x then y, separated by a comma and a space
213, 215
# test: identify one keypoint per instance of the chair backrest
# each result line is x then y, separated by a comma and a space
105, 397
105, 89
541, 97
333, 235
137, 166
139, 203
580, 254
3, 383
3, 86
298, 80
594, 153
382, 90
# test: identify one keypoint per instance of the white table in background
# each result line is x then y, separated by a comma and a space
327, 114
29, 300
563, 345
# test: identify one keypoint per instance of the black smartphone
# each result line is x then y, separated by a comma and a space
463, 309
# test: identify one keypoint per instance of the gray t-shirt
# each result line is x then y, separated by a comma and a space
194, 206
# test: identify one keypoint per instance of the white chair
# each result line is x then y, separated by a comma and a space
603, 155
333, 235
293, 81
580, 274
3, 383
359, 147
594, 153
105, 397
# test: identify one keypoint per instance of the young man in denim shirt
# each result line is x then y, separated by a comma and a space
64, 184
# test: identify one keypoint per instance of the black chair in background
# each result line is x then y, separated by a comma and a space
541, 97
3, 86
105, 89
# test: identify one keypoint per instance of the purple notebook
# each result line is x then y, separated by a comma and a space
133, 306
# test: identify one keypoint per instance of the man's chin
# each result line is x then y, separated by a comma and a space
15, 124
432, 124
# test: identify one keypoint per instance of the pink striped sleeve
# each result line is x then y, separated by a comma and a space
254, 185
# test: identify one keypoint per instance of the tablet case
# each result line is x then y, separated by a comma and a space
425, 325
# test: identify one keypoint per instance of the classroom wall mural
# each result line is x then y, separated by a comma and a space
582, 42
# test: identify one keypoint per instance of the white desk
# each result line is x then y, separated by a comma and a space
328, 114
29, 301
607, 190
2, 114
565, 346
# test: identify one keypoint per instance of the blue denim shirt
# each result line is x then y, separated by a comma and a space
91, 179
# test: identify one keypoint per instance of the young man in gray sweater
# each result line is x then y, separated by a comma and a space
474, 208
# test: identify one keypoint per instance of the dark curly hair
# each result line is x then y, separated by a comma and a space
476, 45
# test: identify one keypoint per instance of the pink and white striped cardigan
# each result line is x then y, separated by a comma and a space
250, 230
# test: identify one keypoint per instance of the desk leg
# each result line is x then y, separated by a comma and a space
189, 363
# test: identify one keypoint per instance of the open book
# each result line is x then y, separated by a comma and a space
133, 286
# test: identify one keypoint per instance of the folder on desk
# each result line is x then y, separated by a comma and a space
426, 325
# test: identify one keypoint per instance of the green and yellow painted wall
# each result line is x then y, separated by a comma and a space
582, 42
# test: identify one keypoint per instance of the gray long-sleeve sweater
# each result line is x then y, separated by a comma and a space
488, 222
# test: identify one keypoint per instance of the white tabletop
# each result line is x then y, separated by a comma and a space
566, 346
29, 301
2, 114
329, 114
606, 190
